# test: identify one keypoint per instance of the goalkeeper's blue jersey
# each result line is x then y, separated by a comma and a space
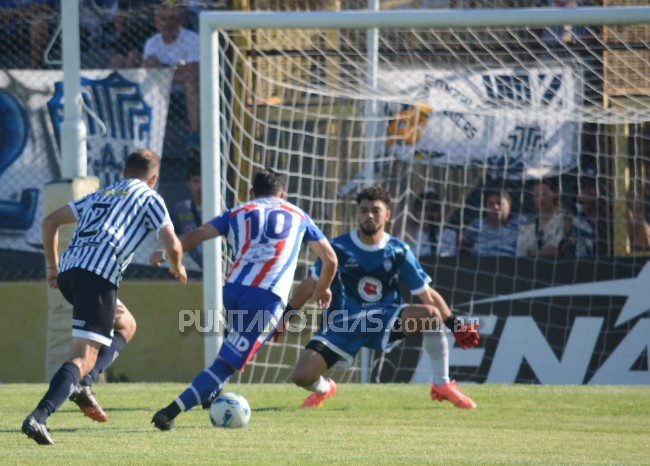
367, 275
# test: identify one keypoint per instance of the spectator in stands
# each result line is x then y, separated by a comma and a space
556, 38
12, 29
592, 209
176, 46
134, 24
552, 231
186, 214
638, 227
423, 229
33, 20
97, 31
496, 232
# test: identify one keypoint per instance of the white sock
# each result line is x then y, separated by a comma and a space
321, 386
436, 346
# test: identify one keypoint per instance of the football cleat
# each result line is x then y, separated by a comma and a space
213, 396
37, 431
315, 400
453, 394
83, 397
162, 422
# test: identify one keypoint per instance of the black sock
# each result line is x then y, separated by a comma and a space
40, 415
61, 385
106, 356
87, 380
172, 410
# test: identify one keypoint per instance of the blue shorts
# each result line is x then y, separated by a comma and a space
371, 329
251, 316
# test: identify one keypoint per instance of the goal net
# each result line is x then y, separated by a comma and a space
503, 99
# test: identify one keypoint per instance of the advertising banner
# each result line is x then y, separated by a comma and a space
541, 321
514, 120
122, 110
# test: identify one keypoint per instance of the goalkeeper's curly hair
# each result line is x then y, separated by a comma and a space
374, 193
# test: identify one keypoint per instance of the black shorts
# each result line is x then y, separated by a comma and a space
331, 357
93, 300
396, 332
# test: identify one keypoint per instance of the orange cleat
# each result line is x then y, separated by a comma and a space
453, 394
83, 397
315, 400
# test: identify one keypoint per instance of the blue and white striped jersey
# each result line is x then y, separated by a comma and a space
112, 222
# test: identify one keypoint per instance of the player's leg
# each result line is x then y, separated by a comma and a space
124, 328
93, 312
248, 331
308, 373
210, 380
426, 319
82, 359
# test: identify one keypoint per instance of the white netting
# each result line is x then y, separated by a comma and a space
457, 111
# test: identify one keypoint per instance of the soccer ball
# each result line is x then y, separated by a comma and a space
230, 410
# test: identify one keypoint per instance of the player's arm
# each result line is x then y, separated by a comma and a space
302, 293
174, 252
310, 288
191, 239
188, 241
321, 293
432, 297
63, 216
465, 333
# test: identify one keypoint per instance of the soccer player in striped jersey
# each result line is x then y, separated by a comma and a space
367, 308
265, 235
111, 224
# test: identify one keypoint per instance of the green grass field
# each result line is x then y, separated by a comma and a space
363, 424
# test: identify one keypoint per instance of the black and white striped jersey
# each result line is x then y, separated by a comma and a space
112, 222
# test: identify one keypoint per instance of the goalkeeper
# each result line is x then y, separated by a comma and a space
367, 308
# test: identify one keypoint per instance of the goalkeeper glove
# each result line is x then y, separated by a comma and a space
282, 325
466, 335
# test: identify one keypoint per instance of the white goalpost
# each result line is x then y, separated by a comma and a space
450, 101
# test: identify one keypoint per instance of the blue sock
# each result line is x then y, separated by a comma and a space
61, 385
106, 356
211, 379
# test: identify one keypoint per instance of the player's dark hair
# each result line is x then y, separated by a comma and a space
429, 197
267, 182
551, 183
193, 162
374, 193
496, 191
141, 164
193, 169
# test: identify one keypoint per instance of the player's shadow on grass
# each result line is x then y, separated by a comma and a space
109, 409
272, 409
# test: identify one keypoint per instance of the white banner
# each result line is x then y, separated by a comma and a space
512, 120
123, 111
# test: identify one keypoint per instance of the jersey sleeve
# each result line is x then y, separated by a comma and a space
412, 275
157, 215
78, 206
222, 223
312, 232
